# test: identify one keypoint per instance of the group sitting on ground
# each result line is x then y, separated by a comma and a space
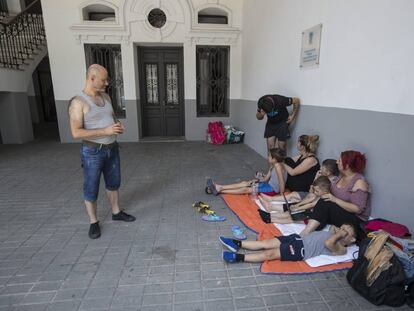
278, 212
335, 194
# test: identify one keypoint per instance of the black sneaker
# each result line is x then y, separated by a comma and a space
123, 216
94, 230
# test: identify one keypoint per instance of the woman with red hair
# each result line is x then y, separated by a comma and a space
348, 201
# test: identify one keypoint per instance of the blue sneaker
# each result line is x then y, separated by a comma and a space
228, 242
229, 257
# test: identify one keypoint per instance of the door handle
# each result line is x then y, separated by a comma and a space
168, 106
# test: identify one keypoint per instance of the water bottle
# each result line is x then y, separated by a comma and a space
259, 175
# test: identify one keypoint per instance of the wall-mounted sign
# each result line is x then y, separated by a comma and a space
311, 45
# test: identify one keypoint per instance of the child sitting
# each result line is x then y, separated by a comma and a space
329, 169
273, 182
321, 186
292, 247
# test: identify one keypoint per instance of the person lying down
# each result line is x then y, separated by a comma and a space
292, 247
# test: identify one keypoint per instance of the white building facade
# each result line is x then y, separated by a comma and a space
132, 31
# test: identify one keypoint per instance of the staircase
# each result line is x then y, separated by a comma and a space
21, 37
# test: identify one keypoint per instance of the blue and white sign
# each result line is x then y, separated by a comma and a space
311, 45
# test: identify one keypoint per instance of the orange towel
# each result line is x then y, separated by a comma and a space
246, 209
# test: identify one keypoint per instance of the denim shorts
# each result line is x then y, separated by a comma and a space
265, 187
95, 161
291, 247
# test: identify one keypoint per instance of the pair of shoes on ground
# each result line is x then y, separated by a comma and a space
95, 230
209, 214
211, 187
202, 207
230, 245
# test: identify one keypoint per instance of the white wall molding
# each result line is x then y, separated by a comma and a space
84, 26
139, 10
99, 38
177, 12
213, 33
214, 36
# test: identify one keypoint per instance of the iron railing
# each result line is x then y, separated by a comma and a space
3, 6
21, 36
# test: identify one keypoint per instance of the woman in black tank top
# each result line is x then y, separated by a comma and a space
302, 168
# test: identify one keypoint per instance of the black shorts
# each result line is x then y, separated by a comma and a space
291, 247
330, 213
279, 130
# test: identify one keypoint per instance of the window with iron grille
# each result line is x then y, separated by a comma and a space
3, 7
212, 80
109, 56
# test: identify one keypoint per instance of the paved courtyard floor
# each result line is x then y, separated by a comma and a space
169, 259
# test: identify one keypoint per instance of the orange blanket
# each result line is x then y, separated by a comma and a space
246, 210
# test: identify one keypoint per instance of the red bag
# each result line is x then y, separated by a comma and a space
393, 228
216, 131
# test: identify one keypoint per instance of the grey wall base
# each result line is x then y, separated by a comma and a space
131, 133
385, 138
15, 119
195, 127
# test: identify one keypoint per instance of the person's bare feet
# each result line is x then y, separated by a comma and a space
218, 187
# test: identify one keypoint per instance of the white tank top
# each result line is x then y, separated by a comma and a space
97, 118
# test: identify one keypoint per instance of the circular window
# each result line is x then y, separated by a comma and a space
157, 18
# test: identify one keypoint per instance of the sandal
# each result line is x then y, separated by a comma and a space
212, 186
213, 218
238, 232
208, 190
203, 208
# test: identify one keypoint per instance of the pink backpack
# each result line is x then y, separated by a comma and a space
216, 131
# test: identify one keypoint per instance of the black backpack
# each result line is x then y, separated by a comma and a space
391, 288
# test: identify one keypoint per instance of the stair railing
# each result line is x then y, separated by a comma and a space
21, 36
3, 6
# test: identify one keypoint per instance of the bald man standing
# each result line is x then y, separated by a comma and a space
92, 119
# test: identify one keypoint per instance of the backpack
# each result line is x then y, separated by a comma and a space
391, 287
216, 131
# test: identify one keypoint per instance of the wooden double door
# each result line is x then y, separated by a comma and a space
161, 91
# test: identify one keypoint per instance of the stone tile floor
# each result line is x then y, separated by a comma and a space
169, 259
